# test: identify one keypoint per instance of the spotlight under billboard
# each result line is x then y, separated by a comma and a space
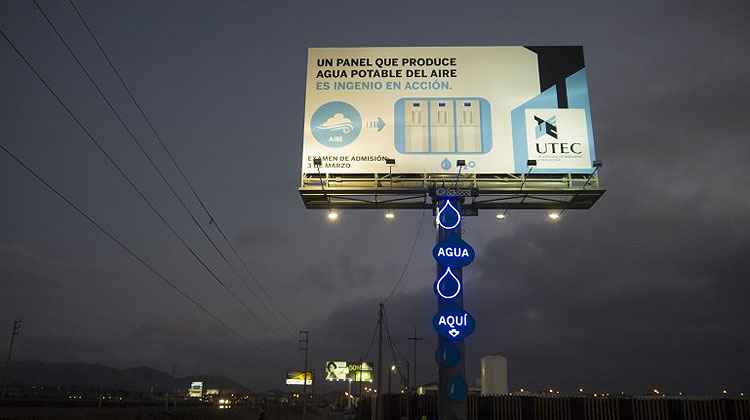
298, 378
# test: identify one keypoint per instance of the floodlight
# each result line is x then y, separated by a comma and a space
390, 215
460, 162
531, 162
333, 215
389, 161
500, 216
317, 161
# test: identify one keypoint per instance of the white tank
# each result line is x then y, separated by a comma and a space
494, 375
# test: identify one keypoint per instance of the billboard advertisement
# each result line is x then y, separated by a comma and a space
426, 107
349, 371
196, 390
361, 372
298, 378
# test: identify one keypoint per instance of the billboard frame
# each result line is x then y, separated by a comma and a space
481, 191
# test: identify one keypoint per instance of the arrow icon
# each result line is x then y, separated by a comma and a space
453, 332
380, 124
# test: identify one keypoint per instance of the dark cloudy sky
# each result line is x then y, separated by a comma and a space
646, 289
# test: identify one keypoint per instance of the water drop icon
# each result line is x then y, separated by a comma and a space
448, 282
445, 164
446, 214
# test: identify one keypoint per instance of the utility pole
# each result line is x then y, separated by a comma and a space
16, 330
390, 376
304, 342
379, 390
415, 339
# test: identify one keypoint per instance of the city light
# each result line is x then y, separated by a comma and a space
500, 216
554, 216
393, 368
656, 391
390, 215
580, 389
333, 215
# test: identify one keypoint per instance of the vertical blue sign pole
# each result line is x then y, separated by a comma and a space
450, 408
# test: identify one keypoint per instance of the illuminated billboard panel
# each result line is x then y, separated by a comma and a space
349, 371
196, 390
496, 108
298, 378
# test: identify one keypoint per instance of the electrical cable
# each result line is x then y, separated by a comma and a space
408, 260
523, 182
111, 160
114, 238
212, 219
395, 354
138, 143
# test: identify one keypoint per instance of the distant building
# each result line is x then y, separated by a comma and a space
494, 379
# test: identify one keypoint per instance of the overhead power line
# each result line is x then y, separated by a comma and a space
114, 238
137, 142
372, 341
212, 219
394, 349
122, 173
408, 259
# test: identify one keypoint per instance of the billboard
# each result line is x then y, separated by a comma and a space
427, 107
298, 378
349, 371
196, 390
360, 372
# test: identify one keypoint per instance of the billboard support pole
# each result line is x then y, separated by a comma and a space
450, 409
304, 343
14, 333
415, 339
379, 391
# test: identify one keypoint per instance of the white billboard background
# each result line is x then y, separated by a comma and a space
355, 119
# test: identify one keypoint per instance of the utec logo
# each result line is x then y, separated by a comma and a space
336, 124
546, 129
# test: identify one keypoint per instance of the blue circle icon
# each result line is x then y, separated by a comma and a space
336, 124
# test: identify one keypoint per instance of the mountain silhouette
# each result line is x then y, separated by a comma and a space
96, 376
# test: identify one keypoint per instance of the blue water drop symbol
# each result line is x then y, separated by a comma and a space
451, 284
444, 219
445, 164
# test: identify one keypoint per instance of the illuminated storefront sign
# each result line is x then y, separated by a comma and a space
447, 216
448, 286
453, 253
453, 324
